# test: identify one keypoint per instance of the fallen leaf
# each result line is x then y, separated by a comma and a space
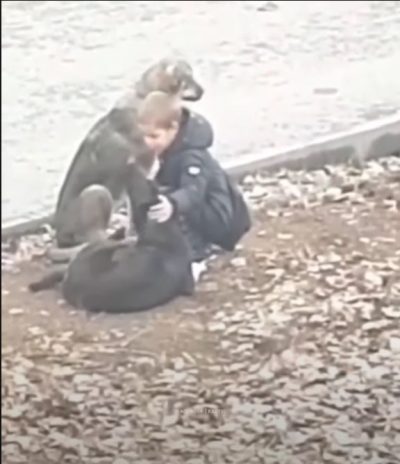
16, 311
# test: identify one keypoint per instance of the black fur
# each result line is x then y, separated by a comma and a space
124, 276
50, 280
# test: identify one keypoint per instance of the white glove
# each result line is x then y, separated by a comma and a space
162, 211
198, 269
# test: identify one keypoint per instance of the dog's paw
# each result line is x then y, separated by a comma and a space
35, 286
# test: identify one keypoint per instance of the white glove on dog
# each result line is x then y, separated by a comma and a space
162, 211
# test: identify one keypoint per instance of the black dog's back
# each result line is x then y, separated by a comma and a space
111, 276
126, 278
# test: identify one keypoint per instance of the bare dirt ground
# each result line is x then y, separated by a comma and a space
288, 353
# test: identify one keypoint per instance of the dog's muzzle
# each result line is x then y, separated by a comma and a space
192, 92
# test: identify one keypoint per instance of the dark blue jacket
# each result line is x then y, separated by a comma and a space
200, 190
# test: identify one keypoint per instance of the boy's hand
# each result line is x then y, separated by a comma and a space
162, 211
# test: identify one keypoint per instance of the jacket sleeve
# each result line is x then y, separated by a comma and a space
193, 182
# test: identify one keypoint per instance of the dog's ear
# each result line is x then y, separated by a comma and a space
171, 69
178, 67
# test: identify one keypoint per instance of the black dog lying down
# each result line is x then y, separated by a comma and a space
124, 276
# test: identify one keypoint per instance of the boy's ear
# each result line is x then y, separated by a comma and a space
175, 125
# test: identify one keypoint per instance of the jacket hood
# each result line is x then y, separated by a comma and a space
195, 133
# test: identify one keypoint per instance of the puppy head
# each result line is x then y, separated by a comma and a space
172, 76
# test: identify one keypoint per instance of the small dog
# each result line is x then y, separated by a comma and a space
126, 276
102, 156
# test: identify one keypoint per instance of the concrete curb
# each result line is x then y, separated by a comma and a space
372, 140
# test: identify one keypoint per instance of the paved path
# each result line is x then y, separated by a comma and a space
275, 73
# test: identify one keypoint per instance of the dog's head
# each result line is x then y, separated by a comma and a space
142, 191
174, 77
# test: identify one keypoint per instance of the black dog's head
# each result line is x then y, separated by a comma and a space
143, 194
150, 199
172, 76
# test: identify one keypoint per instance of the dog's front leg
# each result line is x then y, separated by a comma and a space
64, 255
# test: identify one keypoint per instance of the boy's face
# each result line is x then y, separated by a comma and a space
158, 139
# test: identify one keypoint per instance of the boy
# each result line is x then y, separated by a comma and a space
212, 210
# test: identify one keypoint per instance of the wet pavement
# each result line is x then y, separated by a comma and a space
275, 73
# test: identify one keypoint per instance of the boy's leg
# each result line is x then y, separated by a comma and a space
223, 222
210, 225
199, 249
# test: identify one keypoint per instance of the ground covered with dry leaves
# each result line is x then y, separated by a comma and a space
288, 353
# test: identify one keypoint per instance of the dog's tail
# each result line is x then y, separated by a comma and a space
50, 280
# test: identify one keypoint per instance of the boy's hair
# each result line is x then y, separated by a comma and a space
159, 109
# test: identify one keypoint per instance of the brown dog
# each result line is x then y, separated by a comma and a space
102, 156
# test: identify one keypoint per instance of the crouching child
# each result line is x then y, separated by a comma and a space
212, 210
